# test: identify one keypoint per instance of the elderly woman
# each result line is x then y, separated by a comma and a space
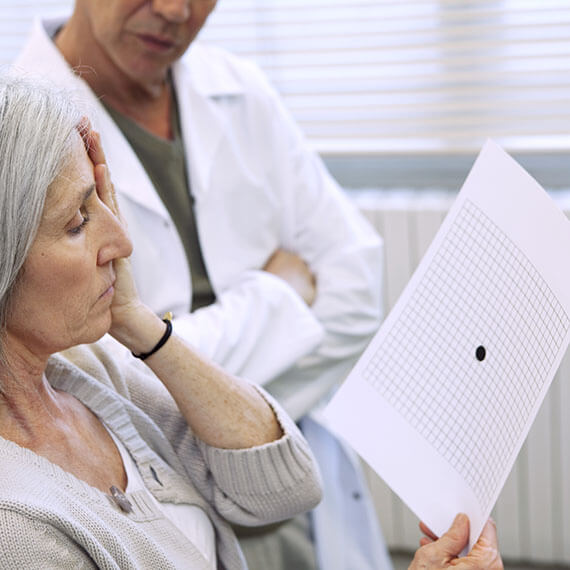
109, 461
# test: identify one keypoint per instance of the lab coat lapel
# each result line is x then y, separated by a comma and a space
204, 124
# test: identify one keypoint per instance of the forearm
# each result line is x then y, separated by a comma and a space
222, 410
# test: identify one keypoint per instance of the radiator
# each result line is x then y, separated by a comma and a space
533, 511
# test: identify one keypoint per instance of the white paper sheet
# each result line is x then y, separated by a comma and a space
441, 401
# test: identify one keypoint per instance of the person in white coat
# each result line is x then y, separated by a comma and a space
292, 268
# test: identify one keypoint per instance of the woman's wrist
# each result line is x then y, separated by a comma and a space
162, 341
139, 331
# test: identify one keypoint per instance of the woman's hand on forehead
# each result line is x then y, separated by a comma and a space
105, 188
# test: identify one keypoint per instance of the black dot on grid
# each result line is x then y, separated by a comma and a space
480, 353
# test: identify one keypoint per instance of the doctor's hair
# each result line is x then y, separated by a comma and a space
37, 123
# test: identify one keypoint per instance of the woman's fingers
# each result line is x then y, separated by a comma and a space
84, 127
105, 188
94, 148
103, 184
92, 141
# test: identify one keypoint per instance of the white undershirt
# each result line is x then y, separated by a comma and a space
192, 521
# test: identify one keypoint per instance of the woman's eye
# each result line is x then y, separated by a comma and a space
78, 228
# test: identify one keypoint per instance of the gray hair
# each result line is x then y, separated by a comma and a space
36, 127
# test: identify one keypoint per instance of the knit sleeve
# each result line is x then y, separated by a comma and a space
250, 486
267, 483
35, 545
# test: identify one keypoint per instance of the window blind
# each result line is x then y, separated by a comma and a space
377, 76
16, 17
381, 77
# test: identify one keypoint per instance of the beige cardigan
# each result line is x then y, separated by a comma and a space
51, 519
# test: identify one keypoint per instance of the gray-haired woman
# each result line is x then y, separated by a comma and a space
107, 461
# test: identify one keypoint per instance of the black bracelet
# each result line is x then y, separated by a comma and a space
160, 343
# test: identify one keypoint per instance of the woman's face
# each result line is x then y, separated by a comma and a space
66, 288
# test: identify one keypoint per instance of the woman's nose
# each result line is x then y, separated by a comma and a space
116, 242
175, 11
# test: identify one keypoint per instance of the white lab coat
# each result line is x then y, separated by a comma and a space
256, 188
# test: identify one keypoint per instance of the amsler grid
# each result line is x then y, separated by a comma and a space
481, 317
